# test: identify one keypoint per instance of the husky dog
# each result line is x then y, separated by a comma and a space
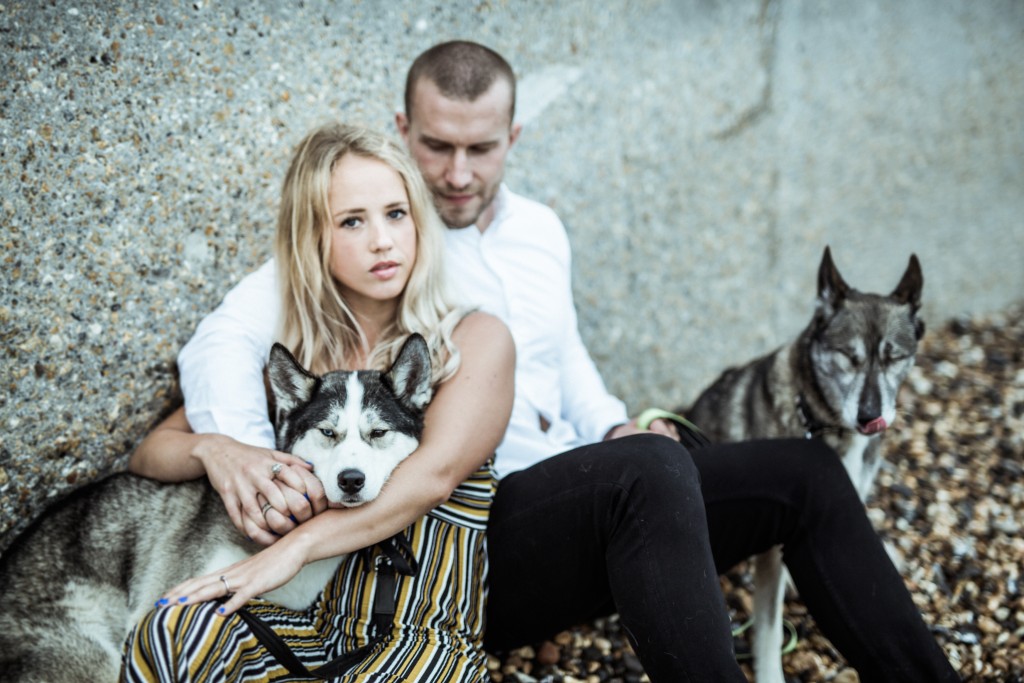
73, 586
837, 380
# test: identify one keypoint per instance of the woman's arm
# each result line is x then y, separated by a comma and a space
464, 425
239, 473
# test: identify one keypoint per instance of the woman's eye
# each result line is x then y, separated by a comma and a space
350, 223
397, 214
377, 433
329, 433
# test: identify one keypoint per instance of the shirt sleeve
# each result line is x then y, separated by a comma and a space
221, 367
586, 403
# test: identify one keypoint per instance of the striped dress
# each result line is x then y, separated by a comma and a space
436, 636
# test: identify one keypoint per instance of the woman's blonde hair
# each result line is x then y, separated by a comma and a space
317, 324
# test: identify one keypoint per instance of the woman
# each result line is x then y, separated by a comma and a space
358, 255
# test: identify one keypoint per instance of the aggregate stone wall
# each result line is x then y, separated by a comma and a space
700, 153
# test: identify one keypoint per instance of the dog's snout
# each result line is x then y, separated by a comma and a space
351, 481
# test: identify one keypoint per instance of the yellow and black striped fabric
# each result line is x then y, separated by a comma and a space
436, 636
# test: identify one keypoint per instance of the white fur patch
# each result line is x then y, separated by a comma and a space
85, 602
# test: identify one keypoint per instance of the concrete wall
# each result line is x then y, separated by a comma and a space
701, 154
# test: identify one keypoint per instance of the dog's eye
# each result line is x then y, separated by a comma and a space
898, 356
377, 433
329, 433
850, 356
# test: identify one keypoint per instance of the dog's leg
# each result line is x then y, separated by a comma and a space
768, 594
872, 463
861, 462
867, 479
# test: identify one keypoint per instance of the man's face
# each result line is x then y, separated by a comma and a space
460, 147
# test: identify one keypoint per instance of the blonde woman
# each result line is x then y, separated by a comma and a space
358, 261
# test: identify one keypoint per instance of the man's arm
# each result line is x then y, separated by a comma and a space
222, 365
586, 402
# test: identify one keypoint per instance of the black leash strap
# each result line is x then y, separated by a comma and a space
395, 557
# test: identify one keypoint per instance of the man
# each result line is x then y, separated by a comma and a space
584, 524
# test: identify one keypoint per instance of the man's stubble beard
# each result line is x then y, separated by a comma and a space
459, 224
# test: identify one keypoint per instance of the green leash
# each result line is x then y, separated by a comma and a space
690, 434
643, 421
788, 647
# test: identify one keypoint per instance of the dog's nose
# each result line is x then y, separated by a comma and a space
873, 427
351, 481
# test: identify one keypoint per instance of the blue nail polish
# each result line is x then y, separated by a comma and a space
183, 598
275, 533
309, 463
162, 601
306, 496
292, 517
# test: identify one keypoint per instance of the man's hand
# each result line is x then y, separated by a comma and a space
659, 426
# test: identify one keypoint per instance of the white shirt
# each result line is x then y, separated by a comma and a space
518, 269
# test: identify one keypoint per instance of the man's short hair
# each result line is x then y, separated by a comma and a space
461, 70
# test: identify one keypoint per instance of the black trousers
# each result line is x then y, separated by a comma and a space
642, 527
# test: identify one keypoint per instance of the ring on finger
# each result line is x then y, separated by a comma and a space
227, 588
266, 506
275, 469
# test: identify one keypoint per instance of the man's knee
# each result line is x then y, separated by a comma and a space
656, 464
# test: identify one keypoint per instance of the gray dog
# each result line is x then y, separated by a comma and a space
73, 585
838, 380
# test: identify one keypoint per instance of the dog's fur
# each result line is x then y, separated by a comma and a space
838, 380
75, 583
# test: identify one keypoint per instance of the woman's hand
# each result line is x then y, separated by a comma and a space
263, 572
265, 492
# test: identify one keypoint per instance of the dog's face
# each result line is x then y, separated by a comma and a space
354, 427
864, 346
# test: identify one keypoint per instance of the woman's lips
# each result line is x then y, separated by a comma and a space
385, 270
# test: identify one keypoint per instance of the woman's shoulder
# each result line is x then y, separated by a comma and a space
478, 322
479, 328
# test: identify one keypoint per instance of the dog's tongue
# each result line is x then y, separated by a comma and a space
873, 427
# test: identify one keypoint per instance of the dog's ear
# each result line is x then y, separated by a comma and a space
410, 373
908, 291
291, 384
832, 289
